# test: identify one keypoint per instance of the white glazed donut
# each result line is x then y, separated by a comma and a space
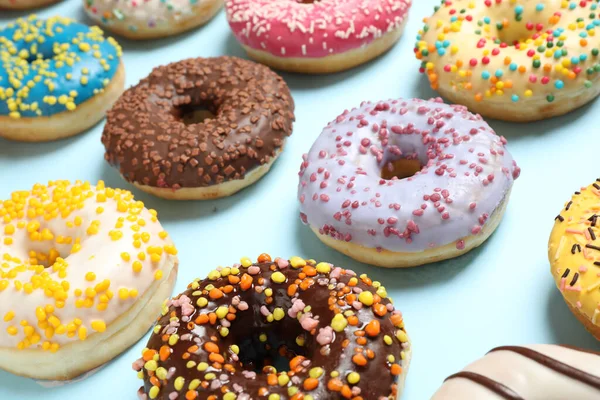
450, 202
84, 271
536, 372
151, 19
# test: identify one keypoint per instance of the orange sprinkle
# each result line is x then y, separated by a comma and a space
233, 279
246, 282
311, 383
215, 357
215, 293
353, 320
396, 369
292, 289
201, 319
379, 309
335, 385
164, 353
211, 347
264, 257
212, 317
359, 359
191, 395
272, 379
346, 391
148, 354
295, 362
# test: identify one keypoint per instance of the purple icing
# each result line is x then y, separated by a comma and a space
466, 174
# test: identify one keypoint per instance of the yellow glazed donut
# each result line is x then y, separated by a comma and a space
83, 271
515, 61
574, 254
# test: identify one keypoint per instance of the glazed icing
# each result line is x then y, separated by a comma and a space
51, 66
466, 173
536, 372
147, 13
503, 50
102, 250
313, 29
574, 252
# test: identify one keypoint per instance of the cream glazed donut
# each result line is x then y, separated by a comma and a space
83, 272
151, 19
535, 372
311, 36
401, 183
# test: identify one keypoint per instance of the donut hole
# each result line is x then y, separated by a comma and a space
401, 168
273, 347
191, 114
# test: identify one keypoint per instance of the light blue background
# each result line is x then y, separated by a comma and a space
455, 311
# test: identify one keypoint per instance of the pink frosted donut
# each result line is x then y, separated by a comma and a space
316, 37
402, 183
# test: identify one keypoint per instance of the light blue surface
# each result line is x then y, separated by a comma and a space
455, 311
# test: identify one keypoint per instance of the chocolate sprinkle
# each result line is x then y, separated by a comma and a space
567, 272
559, 217
568, 205
575, 277
147, 139
591, 246
592, 234
576, 248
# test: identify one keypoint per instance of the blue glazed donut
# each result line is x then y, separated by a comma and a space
54, 66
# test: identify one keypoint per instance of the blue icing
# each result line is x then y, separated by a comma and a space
51, 66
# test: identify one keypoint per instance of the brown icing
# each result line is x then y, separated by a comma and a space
496, 387
553, 364
147, 138
324, 358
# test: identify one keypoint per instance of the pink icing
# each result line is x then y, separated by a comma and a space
288, 28
466, 173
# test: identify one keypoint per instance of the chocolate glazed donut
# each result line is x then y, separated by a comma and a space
277, 330
149, 137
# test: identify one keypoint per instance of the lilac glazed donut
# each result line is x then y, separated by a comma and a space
401, 183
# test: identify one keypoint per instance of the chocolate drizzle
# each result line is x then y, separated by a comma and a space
554, 364
496, 387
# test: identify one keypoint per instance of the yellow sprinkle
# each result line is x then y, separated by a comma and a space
90, 276
366, 298
153, 393
297, 262
353, 378
339, 323
158, 275
278, 277
278, 314
99, 326
323, 267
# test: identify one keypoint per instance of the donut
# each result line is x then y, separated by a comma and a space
401, 183
277, 329
316, 37
84, 269
57, 78
155, 138
24, 4
535, 372
151, 19
574, 255
514, 61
